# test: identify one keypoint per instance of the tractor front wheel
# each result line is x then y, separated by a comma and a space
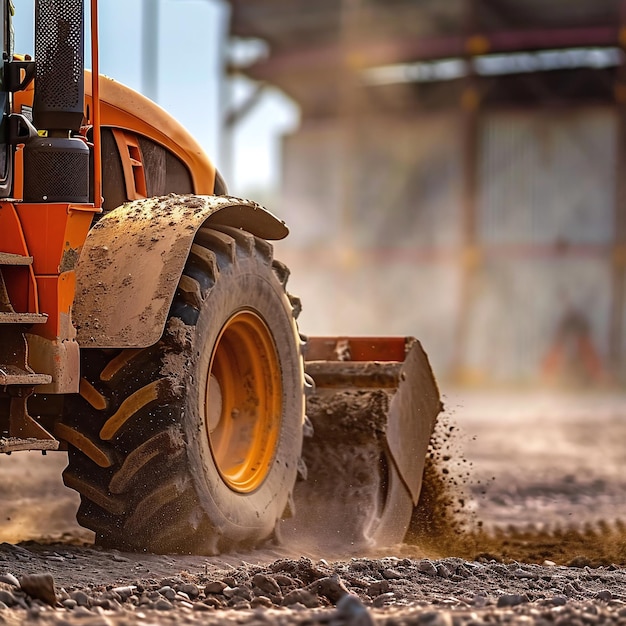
192, 445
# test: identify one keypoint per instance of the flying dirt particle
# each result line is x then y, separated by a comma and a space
444, 526
440, 517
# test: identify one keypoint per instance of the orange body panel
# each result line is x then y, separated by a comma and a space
56, 294
13, 240
53, 235
53, 231
122, 107
18, 173
20, 282
357, 348
134, 175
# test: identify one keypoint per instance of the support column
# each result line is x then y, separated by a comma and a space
150, 49
471, 251
348, 116
618, 287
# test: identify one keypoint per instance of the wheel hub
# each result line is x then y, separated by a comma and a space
243, 401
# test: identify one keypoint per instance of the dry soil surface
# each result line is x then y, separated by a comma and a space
536, 476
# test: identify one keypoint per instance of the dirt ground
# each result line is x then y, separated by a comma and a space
544, 458
540, 478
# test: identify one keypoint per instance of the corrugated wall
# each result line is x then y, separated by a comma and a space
544, 227
548, 177
545, 219
396, 271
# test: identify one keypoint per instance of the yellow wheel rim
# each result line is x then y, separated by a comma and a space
243, 402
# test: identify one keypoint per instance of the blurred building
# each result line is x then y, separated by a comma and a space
458, 174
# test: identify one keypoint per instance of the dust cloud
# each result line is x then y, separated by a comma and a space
531, 476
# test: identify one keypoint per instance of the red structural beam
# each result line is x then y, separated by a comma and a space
372, 54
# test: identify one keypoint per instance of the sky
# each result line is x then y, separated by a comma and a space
191, 49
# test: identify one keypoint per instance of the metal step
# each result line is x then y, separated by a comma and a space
11, 375
6, 258
22, 318
13, 444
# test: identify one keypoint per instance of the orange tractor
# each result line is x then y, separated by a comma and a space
147, 330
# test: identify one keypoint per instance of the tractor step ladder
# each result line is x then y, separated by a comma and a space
17, 379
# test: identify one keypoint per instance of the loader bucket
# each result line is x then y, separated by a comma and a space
373, 412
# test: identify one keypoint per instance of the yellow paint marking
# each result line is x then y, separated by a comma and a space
84, 444
116, 364
131, 405
92, 395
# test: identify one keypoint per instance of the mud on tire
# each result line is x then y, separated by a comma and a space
192, 445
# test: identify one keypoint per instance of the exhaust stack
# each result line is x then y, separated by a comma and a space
60, 56
56, 166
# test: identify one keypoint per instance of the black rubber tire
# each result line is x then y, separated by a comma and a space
162, 490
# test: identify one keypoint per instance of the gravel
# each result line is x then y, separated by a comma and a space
355, 592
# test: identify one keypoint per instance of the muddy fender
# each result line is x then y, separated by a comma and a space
132, 260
